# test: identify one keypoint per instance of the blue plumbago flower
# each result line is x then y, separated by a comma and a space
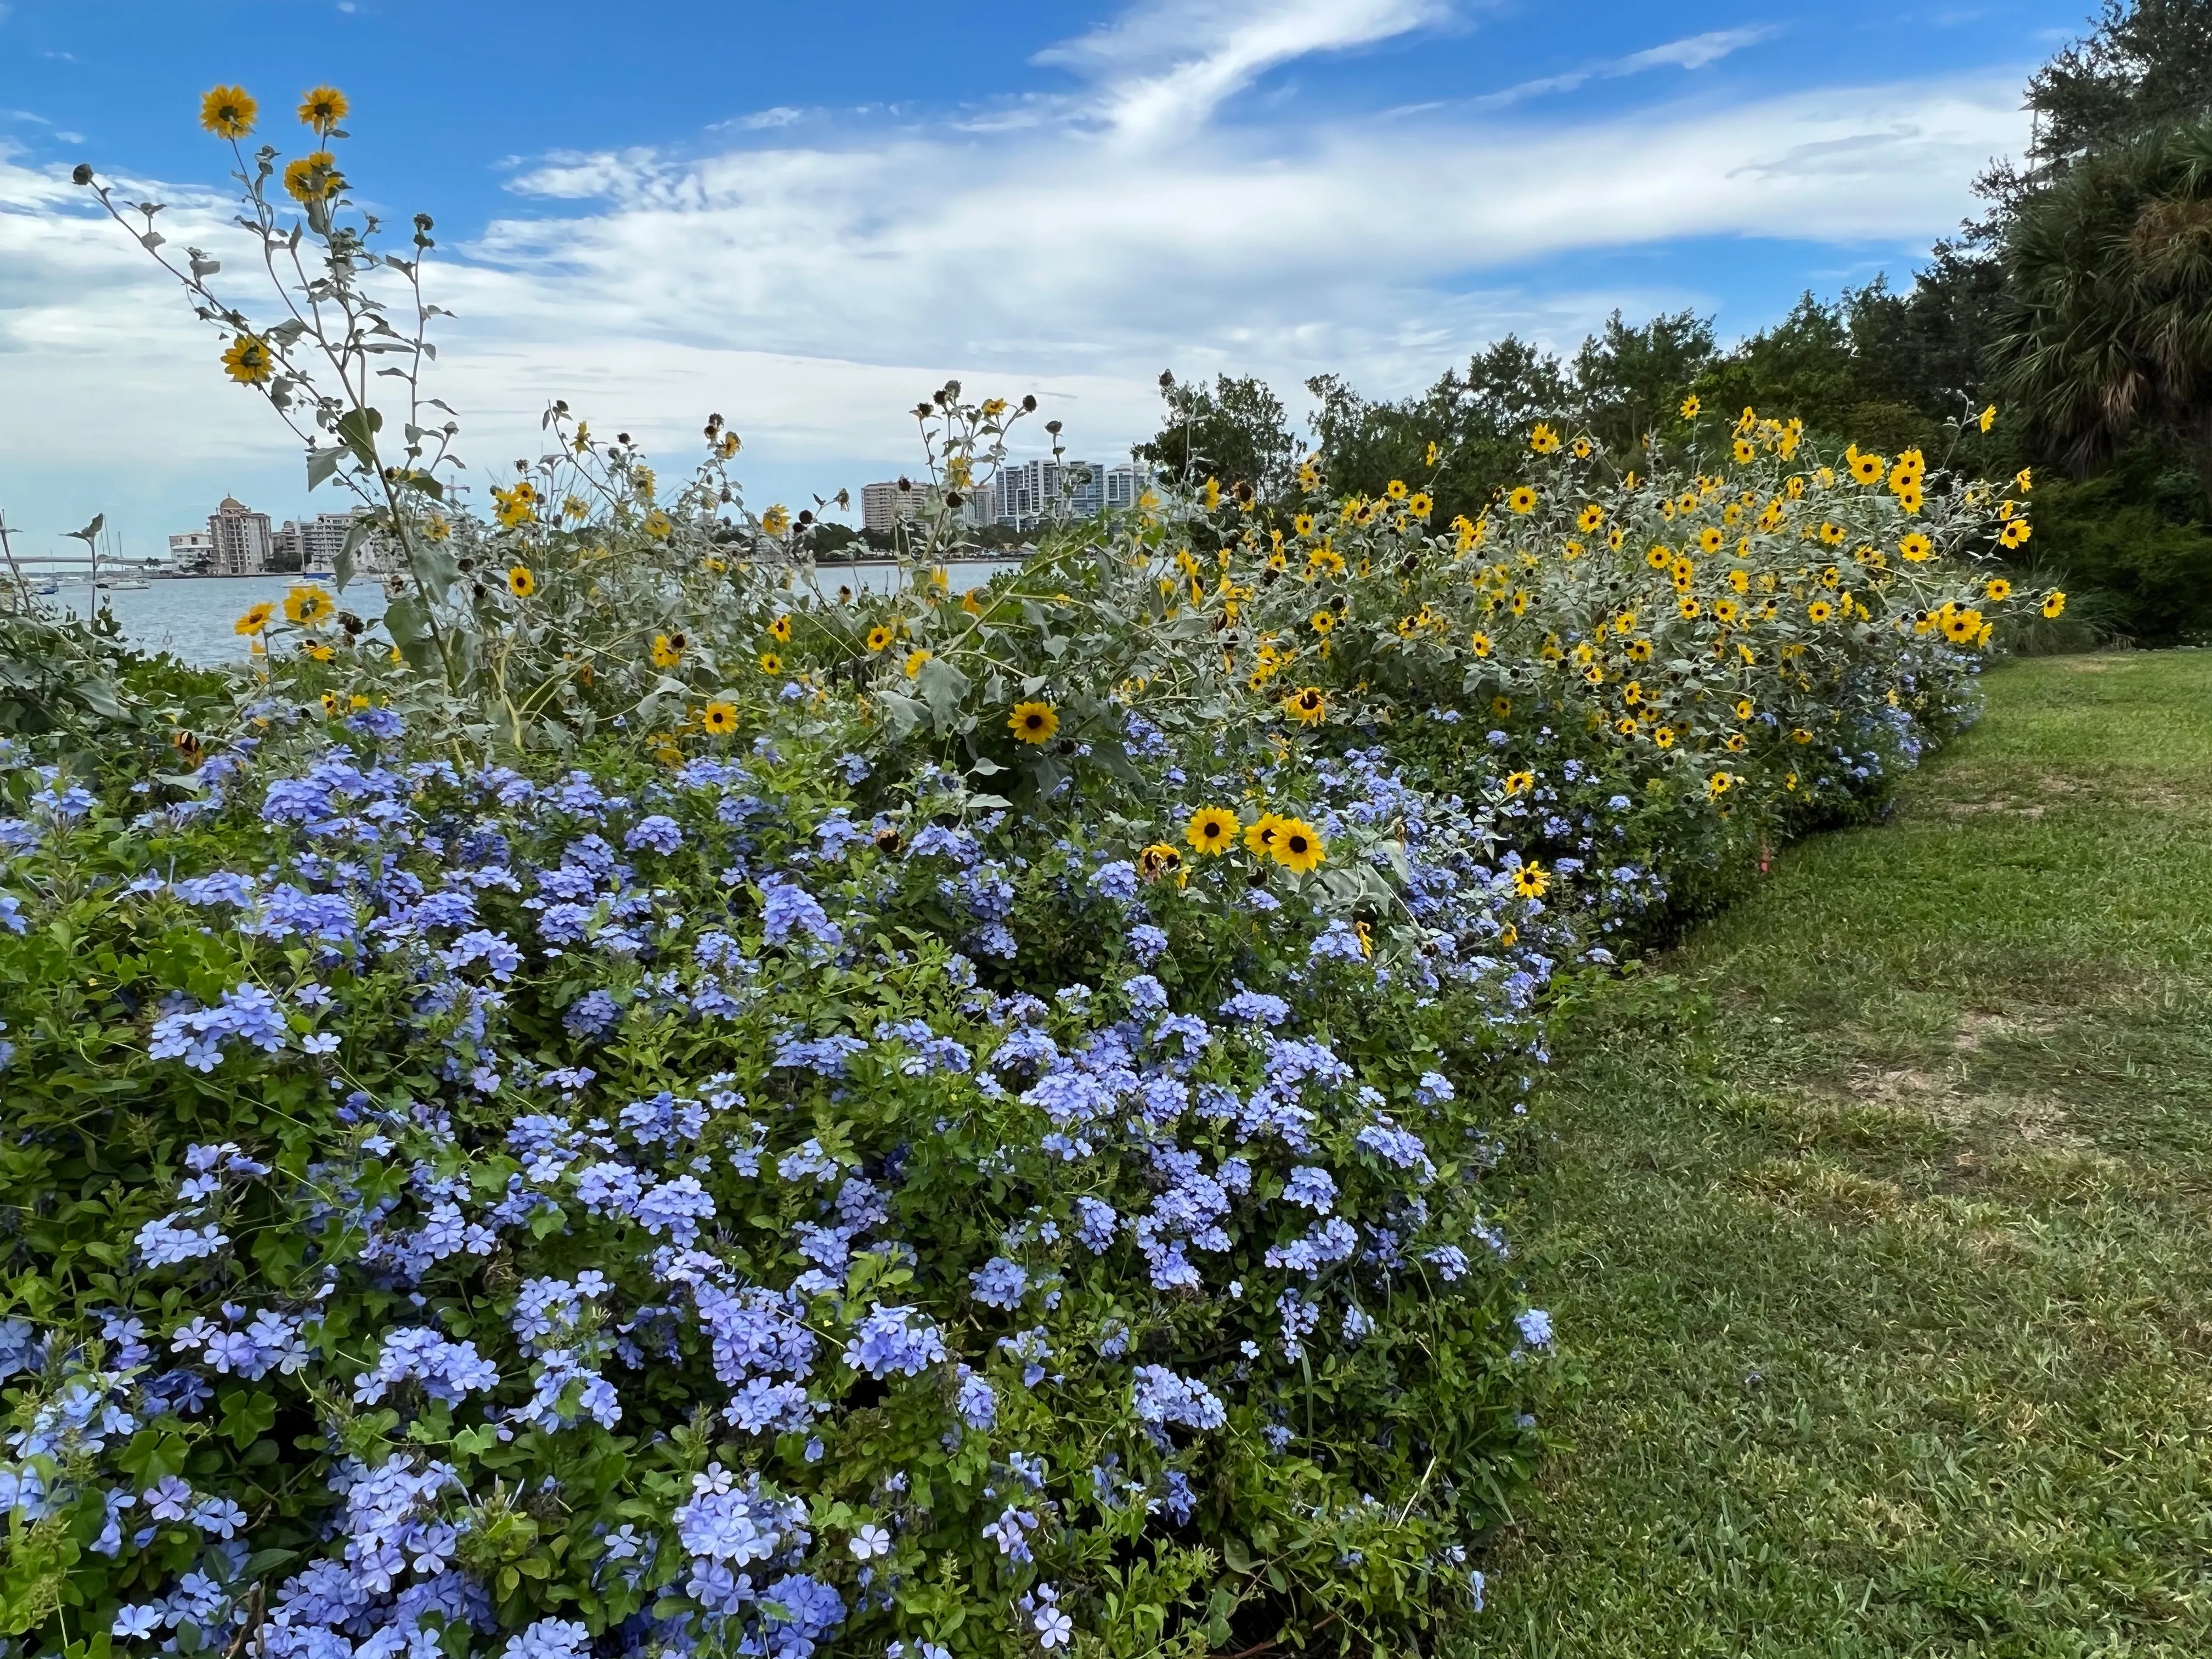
1000, 1282
1163, 1397
892, 1339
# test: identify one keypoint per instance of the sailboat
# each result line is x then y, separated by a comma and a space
122, 583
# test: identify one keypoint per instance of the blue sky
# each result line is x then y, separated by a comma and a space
805, 216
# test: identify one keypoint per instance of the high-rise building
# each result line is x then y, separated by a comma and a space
313, 545
239, 538
1125, 484
882, 505
1031, 493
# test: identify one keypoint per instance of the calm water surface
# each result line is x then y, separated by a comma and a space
193, 616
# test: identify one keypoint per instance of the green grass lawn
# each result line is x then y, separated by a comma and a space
1877, 1222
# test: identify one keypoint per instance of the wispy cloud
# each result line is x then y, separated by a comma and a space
1692, 53
1162, 69
760, 120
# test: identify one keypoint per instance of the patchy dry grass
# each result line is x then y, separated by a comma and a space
1891, 1281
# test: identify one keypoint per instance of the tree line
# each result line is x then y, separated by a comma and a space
2079, 301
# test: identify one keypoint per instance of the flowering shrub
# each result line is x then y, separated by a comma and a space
656, 1108
643, 1201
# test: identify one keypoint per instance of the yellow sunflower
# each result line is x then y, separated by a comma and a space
915, 660
1479, 643
1211, 829
1997, 588
779, 630
248, 359
256, 618
880, 636
1158, 860
1543, 439
521, 582
2054, 603
229, 111
1917, 547
1307, 707
1033, 722
771, 663
1296, 846
1531, 879
1521, 499
1865, 469
1322, 621
719, 718
314, 176
1260, 834
1590, 518
1690, 407
323, 108
667, 650
309, 606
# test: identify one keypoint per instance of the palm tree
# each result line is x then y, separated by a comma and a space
2106, 324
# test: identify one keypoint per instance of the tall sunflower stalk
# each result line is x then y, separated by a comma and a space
315, 363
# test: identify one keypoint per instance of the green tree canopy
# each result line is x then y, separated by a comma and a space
2107, 320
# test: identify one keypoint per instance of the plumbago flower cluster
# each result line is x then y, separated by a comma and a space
570, 1123
782, 1200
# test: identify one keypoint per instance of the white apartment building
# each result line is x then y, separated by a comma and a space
315, 542
192, 550
1031, 493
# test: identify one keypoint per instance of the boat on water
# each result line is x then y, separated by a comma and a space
126, 583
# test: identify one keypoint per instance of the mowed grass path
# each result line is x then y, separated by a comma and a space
1878, 1222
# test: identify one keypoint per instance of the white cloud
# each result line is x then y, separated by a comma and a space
760, 120
1163, 68
1692, 53
811, 290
